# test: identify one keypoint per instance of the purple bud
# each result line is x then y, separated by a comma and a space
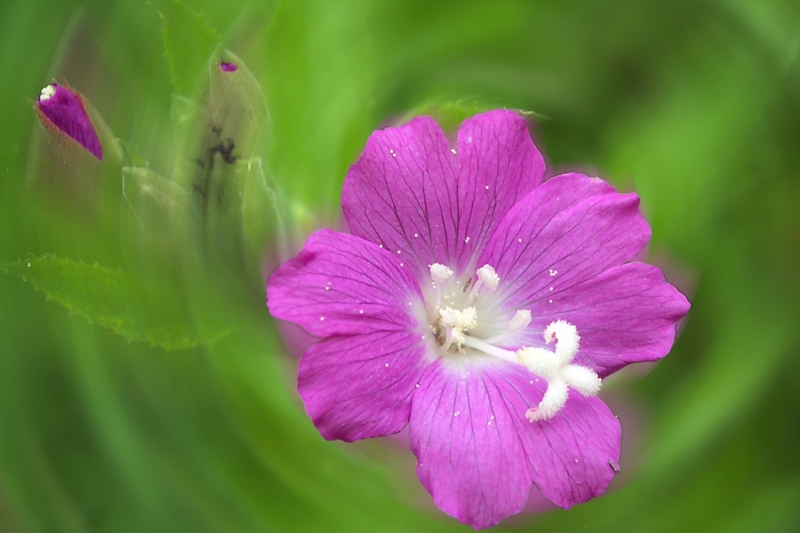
60, 107
228, 67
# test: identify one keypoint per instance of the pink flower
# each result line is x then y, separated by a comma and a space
482, 306
63, 109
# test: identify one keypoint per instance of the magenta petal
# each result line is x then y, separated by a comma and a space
468, 455
340, 284
478, 454
360, 386
402, 191
411, 193
63, 109
498, 165
625, 315
567, 230
574, 455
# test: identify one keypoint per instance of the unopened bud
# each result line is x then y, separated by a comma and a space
63, 109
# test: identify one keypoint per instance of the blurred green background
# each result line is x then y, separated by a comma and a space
693, 103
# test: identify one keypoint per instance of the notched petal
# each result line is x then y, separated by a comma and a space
340, 284
401, 193
478, 454
499, 164
625, 315
469, 456
410, 192
568, 455
568, 230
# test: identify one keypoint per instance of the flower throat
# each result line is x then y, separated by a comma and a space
459, 327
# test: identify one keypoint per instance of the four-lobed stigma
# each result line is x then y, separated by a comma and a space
456, 324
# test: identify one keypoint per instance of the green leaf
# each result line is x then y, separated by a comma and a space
188, 43
115, 300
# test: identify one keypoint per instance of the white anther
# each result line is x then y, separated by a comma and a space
449, 316
469, 317
487, 275
440, 273
47, 92
463, 320
520, 321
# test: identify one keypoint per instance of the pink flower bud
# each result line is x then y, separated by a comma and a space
63, 109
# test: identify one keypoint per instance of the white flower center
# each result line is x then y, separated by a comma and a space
463, 320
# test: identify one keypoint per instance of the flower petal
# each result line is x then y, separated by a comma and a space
409, 192
469, 457
625, 315
402, 192
340, 284
566, 231
360, 386
478, 454
499, 164
571, 455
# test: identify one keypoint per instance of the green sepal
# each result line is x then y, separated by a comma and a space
450, 114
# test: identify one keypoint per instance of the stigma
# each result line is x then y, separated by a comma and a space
557, 369
456, 311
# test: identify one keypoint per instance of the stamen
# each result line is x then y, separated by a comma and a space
469, 317
440, 273
464, 320
448, 340
490, 349
456, 323
520, 321
487, 275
